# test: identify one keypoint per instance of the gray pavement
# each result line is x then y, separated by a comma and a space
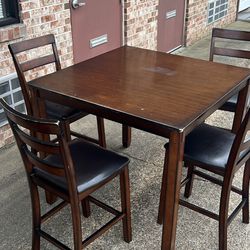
147, 154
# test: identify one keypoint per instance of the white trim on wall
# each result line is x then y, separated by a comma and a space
243, 4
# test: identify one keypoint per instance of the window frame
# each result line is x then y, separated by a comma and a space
13, 7
221, 13
10, 94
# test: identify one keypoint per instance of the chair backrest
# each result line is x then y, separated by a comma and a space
230, 35
22, 67
30, 134
240, 151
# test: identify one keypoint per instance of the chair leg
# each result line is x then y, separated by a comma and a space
86, 207
76, 221
126, 136
163, 190
36, 216
125, 203
190, 176
245, 193
223, 213
101, 132
50, 198
222, 232
66, 127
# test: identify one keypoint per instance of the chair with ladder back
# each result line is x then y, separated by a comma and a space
228, 51
71, 170
222, 153
53, 110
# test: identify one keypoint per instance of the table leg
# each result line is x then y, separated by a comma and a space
39, 111
101, 132
126, 136
171, 199
240, 108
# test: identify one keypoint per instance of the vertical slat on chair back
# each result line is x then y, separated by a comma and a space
24, 128
22, 67
240, 151
236, 35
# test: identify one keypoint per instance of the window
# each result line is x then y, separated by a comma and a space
217, 9
9, 12
11, 92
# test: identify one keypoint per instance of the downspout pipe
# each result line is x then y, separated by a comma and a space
122, 22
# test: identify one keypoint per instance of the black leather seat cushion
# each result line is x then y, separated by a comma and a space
92, 163
209, 145
59, 112
230, 105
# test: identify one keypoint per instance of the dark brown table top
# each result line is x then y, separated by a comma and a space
157, 92
164, 90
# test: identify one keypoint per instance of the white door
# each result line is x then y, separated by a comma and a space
244, 4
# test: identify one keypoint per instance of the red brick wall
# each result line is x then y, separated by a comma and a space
141, 23
39, 17
196, 19
140, 29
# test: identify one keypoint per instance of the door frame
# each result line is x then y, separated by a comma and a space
184, 36
122, 22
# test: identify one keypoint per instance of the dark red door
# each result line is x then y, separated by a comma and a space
170, 24
96, 27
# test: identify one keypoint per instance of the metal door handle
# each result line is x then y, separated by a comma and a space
76, 4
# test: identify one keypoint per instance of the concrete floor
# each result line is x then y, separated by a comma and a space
146, 153
244, 15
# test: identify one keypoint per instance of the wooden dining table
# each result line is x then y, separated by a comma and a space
164, 94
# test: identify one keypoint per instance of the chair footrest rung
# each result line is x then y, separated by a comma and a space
53, 211
53, 240
102, 230
199, 209
104, 206
87, 138
184, 182
118, 216
216, 181
236, 211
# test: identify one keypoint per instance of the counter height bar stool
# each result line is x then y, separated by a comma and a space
225, 51
53, 110
72, 170
222, 153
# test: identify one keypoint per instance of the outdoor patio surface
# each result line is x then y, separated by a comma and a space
146, 152
244, 15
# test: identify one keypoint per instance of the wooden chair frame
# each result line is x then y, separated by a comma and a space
215, 50
235, 162
22, 67
235, 35
27, 145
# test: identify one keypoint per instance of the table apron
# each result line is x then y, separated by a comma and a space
110, 114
